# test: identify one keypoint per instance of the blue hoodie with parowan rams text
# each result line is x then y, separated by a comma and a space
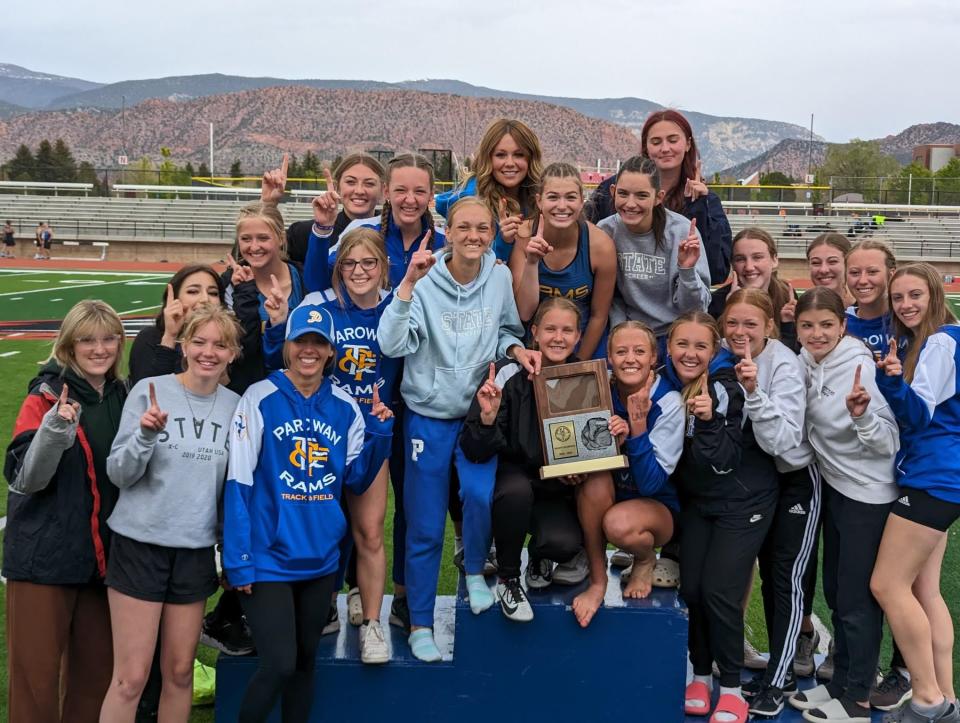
290, 457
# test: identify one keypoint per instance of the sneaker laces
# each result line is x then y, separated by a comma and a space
376, 631
514, 591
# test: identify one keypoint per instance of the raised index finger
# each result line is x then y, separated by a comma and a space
231, 262
284, 164
705, 383
169, 294
699, 170
747, 356
63, 394
376, 394
274, 282
153, 396
856, 377
892, 348
503, 207
328, 177
426, 240
693, 228
493, 373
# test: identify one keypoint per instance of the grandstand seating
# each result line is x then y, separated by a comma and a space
150, 219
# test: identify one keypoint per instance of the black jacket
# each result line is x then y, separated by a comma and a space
150, 358
244, 300
515, 434
58, 535
722, 469
711, 222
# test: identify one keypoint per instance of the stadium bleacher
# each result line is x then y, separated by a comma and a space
87, 219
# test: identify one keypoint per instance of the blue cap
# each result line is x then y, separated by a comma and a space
310, 319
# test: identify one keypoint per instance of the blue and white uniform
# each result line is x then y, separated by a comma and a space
321, 256
875, 333
654, 454
449, 333
359, 363
290, 457
928, 414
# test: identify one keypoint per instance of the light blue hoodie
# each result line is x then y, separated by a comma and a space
449, 334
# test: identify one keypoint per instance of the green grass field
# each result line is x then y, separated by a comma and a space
45, 295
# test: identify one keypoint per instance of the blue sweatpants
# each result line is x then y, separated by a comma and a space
429, 447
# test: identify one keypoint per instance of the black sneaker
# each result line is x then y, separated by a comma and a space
891, 692
400, 614
768, 703
753, 686
756, 685
228, 636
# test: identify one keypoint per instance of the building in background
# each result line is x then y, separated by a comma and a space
934, 156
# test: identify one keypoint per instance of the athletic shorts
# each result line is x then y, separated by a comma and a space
923, 508
155, 573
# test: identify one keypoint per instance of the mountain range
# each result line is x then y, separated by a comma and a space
723, 141
793, 157
253, 124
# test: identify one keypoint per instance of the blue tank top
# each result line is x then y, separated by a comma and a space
575, 281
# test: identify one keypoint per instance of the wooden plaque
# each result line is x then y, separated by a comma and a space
574, 407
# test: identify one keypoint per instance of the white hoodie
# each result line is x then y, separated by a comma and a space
776, 407
856, 454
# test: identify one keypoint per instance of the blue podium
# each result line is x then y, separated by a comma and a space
630, 663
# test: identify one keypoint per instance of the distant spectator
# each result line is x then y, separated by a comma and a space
9, 243
46, 240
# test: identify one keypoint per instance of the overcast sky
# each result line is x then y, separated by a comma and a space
863, 68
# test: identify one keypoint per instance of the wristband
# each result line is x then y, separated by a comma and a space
321, 231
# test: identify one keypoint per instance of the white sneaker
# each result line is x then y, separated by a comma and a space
539, 574
373, 646
751, 658
354, 607
574, 571
513, 600
621, 558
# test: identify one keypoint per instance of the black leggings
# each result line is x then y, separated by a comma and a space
286, 619
546, 509
717, 554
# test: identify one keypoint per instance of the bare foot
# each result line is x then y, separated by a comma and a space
641, 579
586, 604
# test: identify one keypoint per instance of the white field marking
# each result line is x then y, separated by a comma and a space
81, 281
9, 353
146, 283
138, 309
16, 333
136, 301
3, 525
34, 281
56, 299
80, 272
65, 288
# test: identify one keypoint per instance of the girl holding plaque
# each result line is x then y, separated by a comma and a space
502, 423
